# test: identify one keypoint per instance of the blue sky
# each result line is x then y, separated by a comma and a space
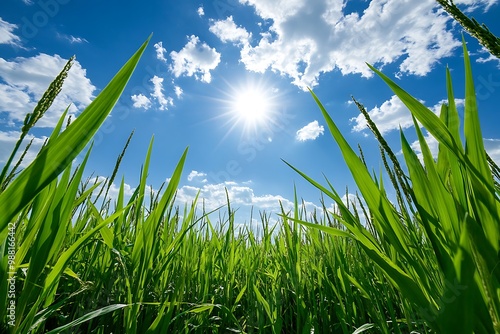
228, 79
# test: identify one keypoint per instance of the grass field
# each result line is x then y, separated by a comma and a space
76, 260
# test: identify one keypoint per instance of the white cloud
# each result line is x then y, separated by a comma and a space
141, 101
6, 33
305, 39
26, 79
227, 31
310, 132
164, 102
160, 51
200, 11
197, 175
195, 59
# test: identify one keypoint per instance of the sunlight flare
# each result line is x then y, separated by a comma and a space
251, 105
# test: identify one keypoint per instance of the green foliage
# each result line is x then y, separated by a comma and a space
84, 262
440, 251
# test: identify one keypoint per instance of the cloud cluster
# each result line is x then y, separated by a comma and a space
213, 196
240, 196
305, 39
196, 59
310, 132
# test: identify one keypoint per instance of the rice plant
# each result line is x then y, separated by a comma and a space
440, 249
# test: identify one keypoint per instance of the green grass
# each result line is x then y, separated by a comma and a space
87, 263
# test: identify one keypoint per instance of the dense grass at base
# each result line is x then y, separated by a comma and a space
215, 279
76, 260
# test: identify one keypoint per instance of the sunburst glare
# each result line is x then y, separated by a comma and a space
250, 107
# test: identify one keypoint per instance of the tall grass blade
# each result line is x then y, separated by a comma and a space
59, 153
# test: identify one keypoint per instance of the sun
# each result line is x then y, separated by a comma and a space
251, 105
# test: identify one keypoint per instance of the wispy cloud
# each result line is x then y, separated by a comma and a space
114, 189
472, 5
72, 39
7, 35
310, 132
195, 59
